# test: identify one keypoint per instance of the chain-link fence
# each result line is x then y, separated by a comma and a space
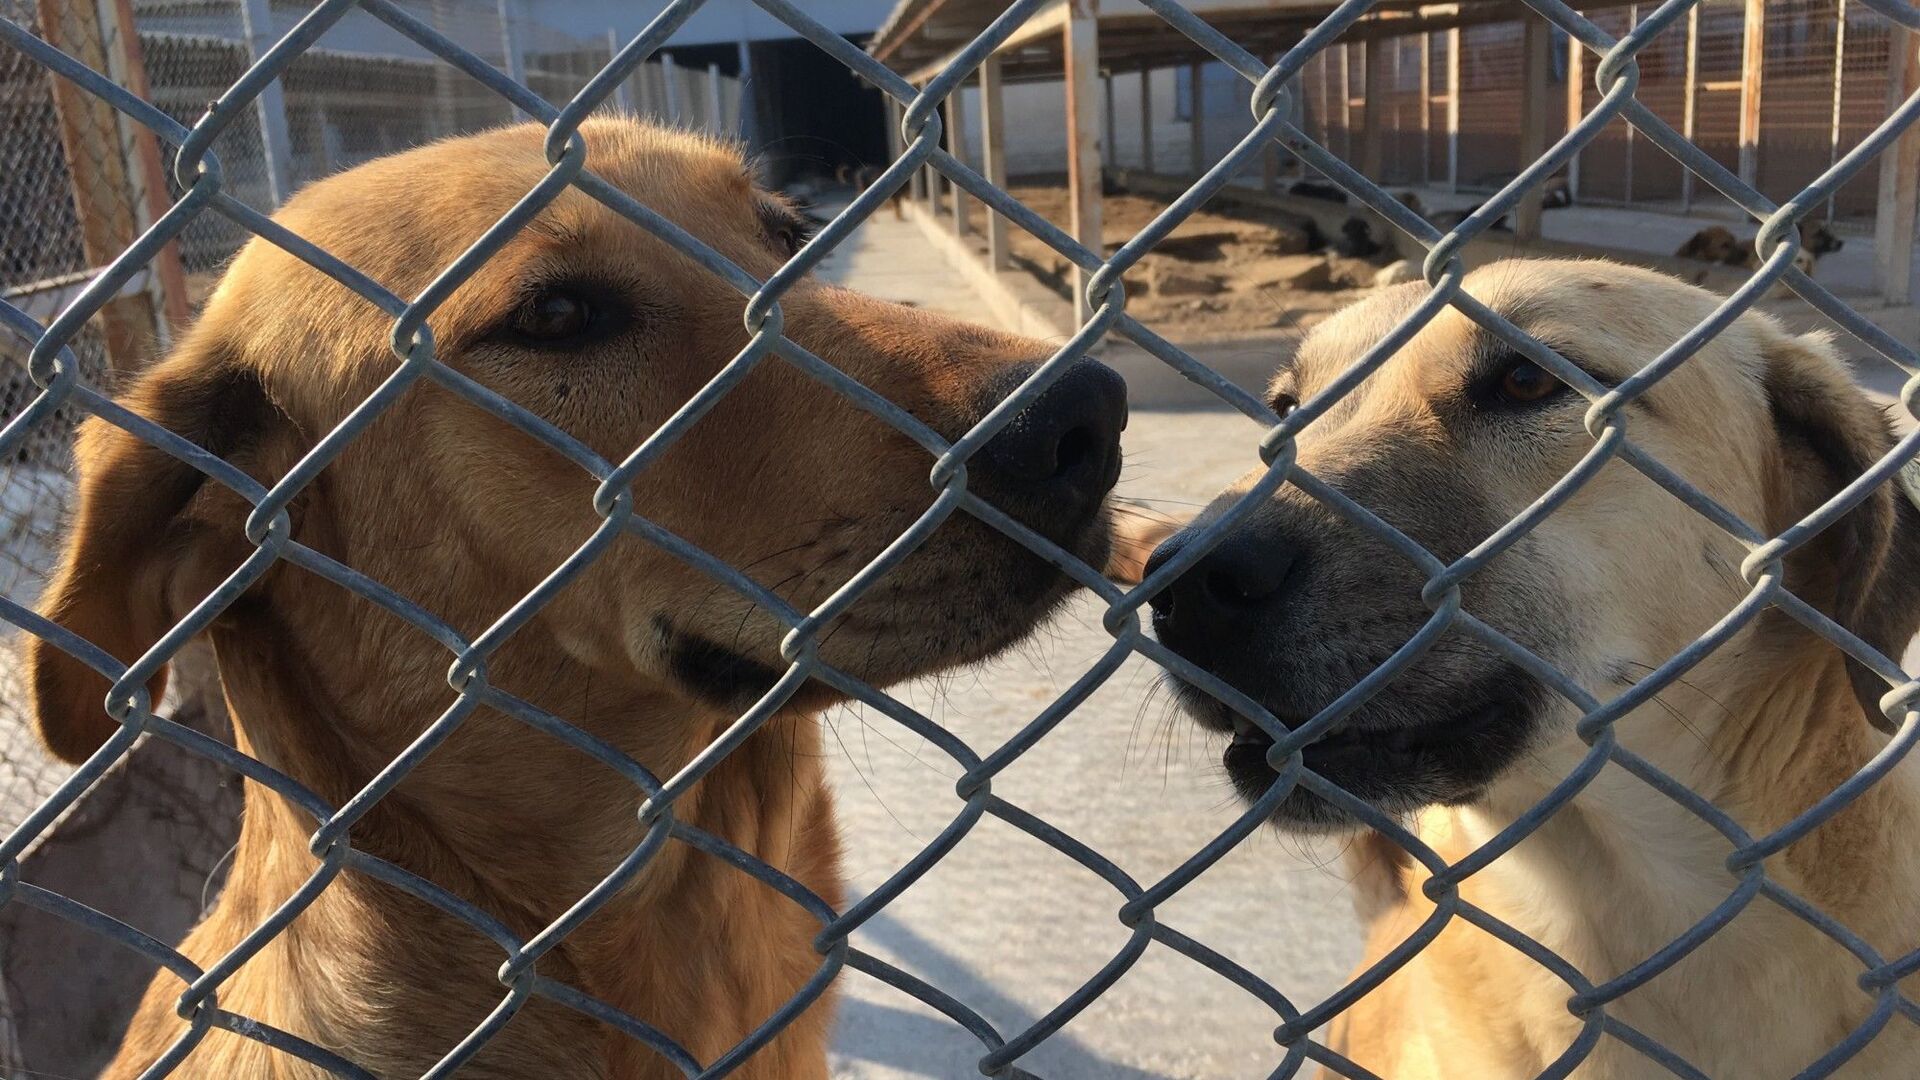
210, 190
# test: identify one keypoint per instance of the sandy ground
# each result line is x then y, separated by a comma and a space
1219, 274
1010, 926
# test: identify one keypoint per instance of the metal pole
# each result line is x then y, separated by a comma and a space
715, 101
622, 94
1753, 55
957, 146
516, 61
1839, 86
669, 76
256, 21
1899, 199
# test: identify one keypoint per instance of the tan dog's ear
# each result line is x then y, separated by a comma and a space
142, 551
1871, 557
1136, 532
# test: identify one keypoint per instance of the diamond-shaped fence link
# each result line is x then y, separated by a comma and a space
206, 193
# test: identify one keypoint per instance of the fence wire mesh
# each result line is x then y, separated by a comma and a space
211, 194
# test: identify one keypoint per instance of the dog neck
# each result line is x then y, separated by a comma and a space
511, 821
1621, 871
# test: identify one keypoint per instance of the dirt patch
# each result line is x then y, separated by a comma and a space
1217, 275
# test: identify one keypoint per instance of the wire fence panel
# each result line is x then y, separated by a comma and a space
209, 145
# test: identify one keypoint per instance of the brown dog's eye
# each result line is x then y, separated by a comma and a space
1525, 383
553, 316
1282, 404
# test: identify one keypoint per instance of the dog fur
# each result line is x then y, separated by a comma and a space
1614, 582
463, 514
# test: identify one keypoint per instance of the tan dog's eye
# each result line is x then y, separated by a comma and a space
1283, 404
1525, 383
553, 316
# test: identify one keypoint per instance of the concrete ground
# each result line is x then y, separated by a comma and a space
1006, 924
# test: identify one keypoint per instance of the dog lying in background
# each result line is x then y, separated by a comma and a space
601, 329
1449, 440
1717, 244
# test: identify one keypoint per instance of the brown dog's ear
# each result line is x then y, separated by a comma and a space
1136, 532
144, 547
1870, 558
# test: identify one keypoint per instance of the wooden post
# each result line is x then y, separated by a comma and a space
1110, 135
1452, 110
1146, 119
993, 156
1753, 55
103, 193
1346, 101
1426, 107
1576, 106
1690, 100
1535, 63
957, 146
1082, 54
1197, 129
256, 17
1373, 109
1839, 85
128, 67
1893, 222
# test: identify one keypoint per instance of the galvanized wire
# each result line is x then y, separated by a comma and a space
206, 194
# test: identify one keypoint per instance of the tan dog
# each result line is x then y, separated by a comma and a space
601, 329
1451, 438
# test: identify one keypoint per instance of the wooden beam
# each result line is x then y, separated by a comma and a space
1426, 107
1110, 135
1197, 119
1082, 50
104, 199
957, 146
993, 155
1753, 55
1453, 110
1346, 101
1270, 156
1535, 67
129, 69
1839, 85
1146, 120
1690, 99
1374, 109
1894, 216
1576, 106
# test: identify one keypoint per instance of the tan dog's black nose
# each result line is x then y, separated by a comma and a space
1055, 462
1235, 582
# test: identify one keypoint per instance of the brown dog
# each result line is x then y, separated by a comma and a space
1450, 439
599, 328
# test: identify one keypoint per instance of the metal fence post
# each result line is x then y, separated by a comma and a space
716, 104
623, 95
669, 87
1690, 100
1534, 62
256, 18
1453, 109
510, 50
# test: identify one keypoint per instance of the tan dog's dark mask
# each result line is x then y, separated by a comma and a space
1455, 436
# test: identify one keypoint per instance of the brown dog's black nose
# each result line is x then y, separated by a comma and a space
1230, 586
1054, 463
